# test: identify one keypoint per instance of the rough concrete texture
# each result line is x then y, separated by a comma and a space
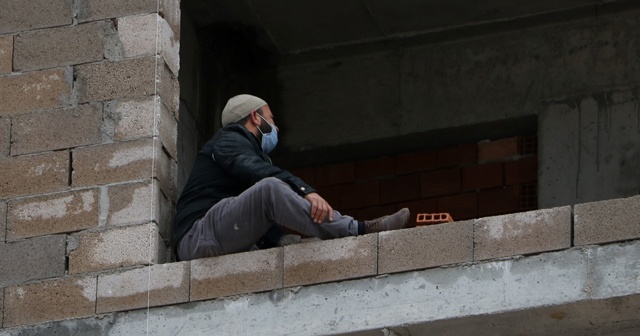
166, 171
33, 91
113, 248
50, 214
522, 233
589, 149
3, 223
113, 80
168, 131
112, 163
136, 36
15, 16
139, 203
34, 174
606, 221
475, 80
425, 246
618, 266
6, 54
62, 46
170, 10
50, 301
36, 258
91, 10
132, 118
5, 136
49, 130
157, 285
169, 90
234, 274
330, 260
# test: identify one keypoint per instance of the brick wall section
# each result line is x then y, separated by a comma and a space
50, 301
5, 136
33, 174
91, 10
33, 91
51, 214
37, 258
15, 16
468, 181
6, 54
48, 130
3, 221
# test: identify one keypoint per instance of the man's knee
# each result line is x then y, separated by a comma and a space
272, 183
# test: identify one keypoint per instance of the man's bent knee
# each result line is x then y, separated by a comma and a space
271, 182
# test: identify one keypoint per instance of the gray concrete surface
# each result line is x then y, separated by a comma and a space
568, 292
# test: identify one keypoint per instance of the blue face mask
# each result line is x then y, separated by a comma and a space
269, 140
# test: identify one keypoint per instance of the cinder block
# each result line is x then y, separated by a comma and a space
169, 90
140, 203
6, 54
132, 118
5, 136
1, 307
3, 222
35, 258
425, 247
166, 171
156, 285
39, 90
34, 174
330, 260
136, 36
399, 189
55, 47
497, 149
112, 163
113, 248
375, 169
57, 213
483, 176
114, 80
49, 130
16, 16
233, 274
51, 300
91, 10
606, 221
170, 10
441, 182
168, 131
522, 233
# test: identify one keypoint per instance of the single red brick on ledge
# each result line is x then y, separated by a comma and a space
482, 177
498, 149
335, 174
441, 182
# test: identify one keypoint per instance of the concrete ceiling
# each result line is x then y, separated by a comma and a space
293, 27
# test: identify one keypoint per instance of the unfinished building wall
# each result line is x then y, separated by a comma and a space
88, 127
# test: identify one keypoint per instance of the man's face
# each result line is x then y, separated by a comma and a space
268, 116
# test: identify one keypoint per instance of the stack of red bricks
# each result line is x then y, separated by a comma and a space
467, 181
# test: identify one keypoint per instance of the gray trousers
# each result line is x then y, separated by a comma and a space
235, 224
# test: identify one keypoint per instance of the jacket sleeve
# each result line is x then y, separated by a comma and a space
238, 156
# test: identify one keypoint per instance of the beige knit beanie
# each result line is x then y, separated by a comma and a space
239, 107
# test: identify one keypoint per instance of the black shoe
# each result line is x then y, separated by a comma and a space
396, 221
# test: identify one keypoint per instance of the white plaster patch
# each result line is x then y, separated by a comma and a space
20, 293
137, 281
88, 288
509, 226
39, 169
138, 34
125, 245
137, 209
55, 208
129, 155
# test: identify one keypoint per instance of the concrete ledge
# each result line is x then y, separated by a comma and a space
522, 233
607, 221
425, 247
330, 260
235, 274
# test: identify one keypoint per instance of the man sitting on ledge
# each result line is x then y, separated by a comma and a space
236, 198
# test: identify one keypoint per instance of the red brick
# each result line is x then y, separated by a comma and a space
377, 168
415, 162
308, 174
335, 174
441, 182
416, 207
398, 189
499, 201
331, 195
360, 195
453, 156
524, 170
498, 149
482, 176
372, 213
460, 207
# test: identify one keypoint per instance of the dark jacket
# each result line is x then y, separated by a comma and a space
228, 164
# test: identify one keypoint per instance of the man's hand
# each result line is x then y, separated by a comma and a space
320, 209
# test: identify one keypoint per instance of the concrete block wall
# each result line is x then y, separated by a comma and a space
469, 181
88, 128
468, 243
